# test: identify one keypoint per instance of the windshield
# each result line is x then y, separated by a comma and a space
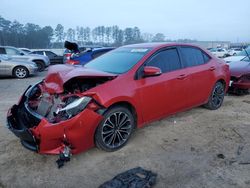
243, 52
118, 61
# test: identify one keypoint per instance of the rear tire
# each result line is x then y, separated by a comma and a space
115, 129
20, 72
217, 96
40, 65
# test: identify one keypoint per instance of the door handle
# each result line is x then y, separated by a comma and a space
212, 68
182, 76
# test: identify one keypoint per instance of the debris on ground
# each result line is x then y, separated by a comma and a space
221, 156
134, 178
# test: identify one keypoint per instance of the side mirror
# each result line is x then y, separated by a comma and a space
149, 71
21, 53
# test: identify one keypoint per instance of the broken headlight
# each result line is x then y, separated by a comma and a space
75, 107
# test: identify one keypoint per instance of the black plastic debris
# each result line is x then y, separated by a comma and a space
134, 178
221, 156
62, 159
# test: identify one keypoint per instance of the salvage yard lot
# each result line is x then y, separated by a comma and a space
181, 149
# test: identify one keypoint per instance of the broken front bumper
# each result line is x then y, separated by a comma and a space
19, 121
39, 135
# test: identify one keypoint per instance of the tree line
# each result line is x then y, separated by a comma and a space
31, 35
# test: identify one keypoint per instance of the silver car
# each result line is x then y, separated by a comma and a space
18, 69
16, 54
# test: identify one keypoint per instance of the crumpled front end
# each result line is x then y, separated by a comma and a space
47, 123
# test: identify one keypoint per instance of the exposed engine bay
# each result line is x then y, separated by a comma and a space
63, 106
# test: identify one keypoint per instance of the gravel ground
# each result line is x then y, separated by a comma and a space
181, 149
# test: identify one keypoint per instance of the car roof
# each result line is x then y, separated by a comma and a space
159, 45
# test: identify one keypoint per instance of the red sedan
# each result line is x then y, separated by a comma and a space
76, 108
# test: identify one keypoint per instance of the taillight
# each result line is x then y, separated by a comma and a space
68, 55
73, 62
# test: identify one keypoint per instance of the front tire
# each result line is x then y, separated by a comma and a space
217, 96
115, 129
21, 72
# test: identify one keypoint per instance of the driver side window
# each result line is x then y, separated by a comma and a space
167, 60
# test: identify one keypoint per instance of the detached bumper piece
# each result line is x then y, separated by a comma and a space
19, 121
136, 177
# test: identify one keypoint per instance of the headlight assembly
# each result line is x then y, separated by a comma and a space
74, 107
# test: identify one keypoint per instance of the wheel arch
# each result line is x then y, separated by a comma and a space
127, 105
222, 80
38, 60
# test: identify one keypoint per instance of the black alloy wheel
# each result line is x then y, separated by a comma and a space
217, 97
115, 129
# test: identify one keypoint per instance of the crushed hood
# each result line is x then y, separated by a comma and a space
239, 68
58, 75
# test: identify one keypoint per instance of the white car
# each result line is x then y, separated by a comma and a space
244, 55
234, 51
219, 52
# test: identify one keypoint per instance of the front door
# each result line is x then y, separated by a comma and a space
165, 94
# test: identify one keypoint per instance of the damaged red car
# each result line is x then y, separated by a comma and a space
240, 77
76, 108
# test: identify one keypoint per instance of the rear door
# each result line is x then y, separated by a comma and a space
201, 70
164, 94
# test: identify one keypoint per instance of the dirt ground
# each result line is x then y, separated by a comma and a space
181, 149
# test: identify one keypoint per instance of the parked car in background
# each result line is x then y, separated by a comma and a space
25, 50
54, 58
244, 55
240, 77
86, 56
234, 51
219, 52
101, 103
72, 49
16, 54
17, 68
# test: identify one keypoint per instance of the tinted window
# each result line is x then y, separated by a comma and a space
39, 52
193, 56
167, 60
2, 51
118, 61
48, 53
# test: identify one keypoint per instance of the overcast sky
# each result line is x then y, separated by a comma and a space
194, 19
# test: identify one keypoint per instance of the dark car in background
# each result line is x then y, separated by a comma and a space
53, 57
75, 55
86, 56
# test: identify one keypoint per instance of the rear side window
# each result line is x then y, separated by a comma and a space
2, 51
50, 54
11, 51
39, 52
167, 60
193, 56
